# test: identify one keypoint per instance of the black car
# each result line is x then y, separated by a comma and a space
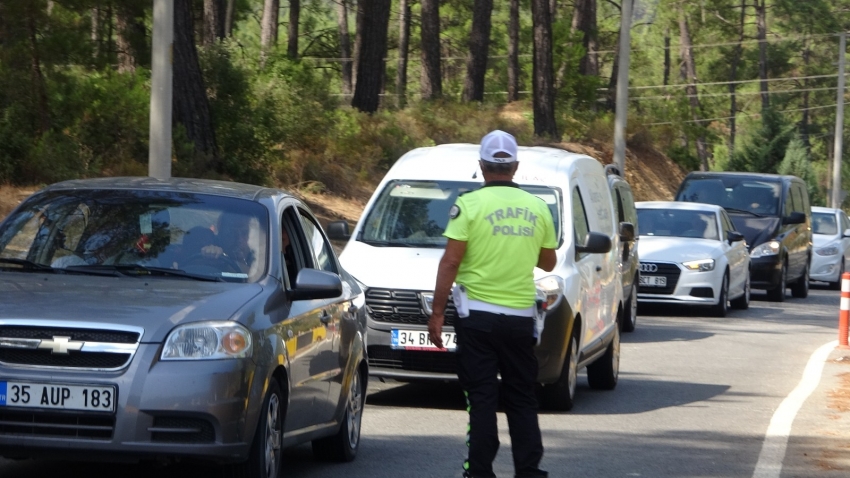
773, 213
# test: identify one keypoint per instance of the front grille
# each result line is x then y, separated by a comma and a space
106, 348
70, 425
182, 430
412, 360
401, 307
670, 271
78, 335
46, 358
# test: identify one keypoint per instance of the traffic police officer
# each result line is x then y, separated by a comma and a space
496, 236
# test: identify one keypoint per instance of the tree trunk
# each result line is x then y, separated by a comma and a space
513, 52
95, 32
190, 102
584, 20
344, 44
228, 18
431, 81
611, 97
373, 48
544, 75
213, 21
292, 37
126, 57
358, 41
667, 56
131, 36
733, 78
689, 69
761, 24
268, 33
403, 44
479, 46
804, 122
36, 75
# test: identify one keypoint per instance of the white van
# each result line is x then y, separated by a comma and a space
396, 246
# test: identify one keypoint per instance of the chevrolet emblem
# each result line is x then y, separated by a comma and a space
61, 345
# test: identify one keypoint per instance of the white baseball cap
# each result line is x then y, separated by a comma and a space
495, 142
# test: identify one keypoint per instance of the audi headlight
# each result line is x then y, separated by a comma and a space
207, 341
701, 265
827, 251
550, 289
770, 248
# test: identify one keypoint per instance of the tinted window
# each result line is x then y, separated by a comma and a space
824, 223
735, 194
580, 225
677, 223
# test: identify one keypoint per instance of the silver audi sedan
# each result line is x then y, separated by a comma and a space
147, 319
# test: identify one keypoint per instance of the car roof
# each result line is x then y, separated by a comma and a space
678, 205
747, 175
825, 209
183, 185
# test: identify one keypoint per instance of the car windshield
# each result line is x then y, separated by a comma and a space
677, 223
824, 223
415, 213
736, 194
138, 233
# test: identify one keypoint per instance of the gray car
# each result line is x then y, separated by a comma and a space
146, 319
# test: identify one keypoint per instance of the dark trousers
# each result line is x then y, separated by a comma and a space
491, 344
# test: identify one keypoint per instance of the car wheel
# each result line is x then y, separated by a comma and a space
603, 373
722, 306
800, 289
777, 294
561, 394
343, 445
630, 317
743, 302
264, 457
837, 284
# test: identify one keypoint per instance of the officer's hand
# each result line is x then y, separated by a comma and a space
435, 329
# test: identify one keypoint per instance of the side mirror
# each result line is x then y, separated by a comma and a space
847, 233
597, 243
315, 284
627, 232
338, 231
795, 217
734, 236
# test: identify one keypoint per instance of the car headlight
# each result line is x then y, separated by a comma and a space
701, 265
770, 248
550, 289
827, 251
207, 341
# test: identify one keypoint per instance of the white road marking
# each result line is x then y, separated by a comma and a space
776, 439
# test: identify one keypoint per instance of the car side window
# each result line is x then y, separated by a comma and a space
727, 224
797, 203
629, 207
322, 250
580, 226
299, 253
621, 213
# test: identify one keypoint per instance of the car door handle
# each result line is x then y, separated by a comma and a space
325, 317
598, 268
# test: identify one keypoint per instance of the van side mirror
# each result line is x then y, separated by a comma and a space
627, 232
795, 217
315, 284
338, 231
734, 236
847, 233
597, 243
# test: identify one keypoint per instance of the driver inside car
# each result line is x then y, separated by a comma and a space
232, 241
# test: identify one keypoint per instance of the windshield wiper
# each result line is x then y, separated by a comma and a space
732, 209
27, 265
139, 270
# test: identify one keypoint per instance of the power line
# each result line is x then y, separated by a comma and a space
745, 42
737, 116
736, 82
746, 93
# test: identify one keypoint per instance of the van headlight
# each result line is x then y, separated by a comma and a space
770, 248
550, 289
702, 265
830, 250
207, 341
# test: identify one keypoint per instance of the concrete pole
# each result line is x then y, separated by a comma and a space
159, 156
839, 127
622, 109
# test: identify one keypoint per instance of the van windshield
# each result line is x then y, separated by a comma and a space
415, 213
737, 195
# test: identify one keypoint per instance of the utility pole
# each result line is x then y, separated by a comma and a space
159, 154
839, 127
622, 109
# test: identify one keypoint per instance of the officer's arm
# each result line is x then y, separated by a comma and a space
446, 274
546, 261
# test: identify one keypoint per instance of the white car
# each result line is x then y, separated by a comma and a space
690, 253
831, 238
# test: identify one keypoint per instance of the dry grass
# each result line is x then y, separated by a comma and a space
10, 197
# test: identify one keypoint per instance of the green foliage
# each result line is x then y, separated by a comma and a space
765, 150
798, 162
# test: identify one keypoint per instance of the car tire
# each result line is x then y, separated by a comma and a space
777, 294
800, 288
722, 307
743, 302
342, 447
630, 313
602, 374
561, 394
265, 455
837, 284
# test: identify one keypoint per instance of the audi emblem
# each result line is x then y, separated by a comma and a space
648, 267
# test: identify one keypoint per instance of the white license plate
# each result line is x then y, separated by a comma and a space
96, 398
653, 281
419, 340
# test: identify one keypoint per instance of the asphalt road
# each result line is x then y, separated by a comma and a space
695, 398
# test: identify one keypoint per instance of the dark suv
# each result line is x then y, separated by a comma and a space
625, 244
773, 213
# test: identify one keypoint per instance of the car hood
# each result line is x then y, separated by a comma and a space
156, 305
820, 240
409, 268
756, 230
676, 249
